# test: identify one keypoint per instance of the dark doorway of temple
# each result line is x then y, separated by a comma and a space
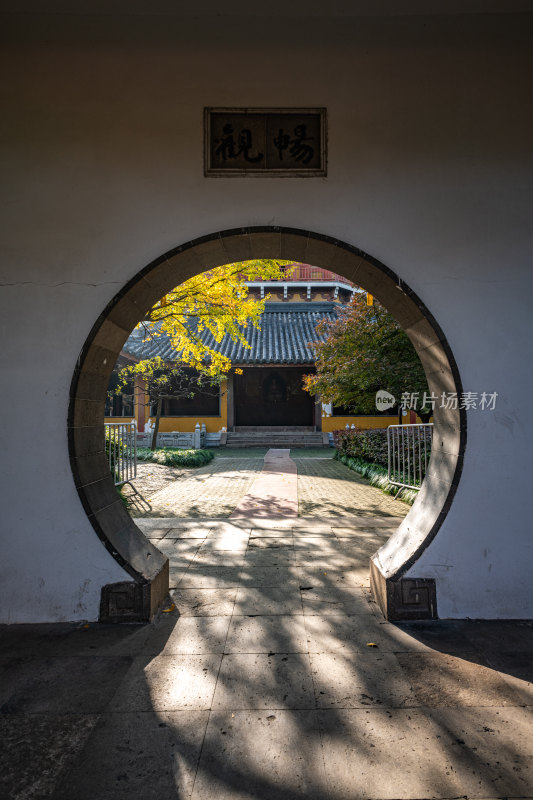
272, 397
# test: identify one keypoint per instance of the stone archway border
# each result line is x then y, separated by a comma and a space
138, 599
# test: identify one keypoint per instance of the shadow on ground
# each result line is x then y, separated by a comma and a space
274, 676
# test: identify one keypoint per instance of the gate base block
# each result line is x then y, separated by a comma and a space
131, 601
405, 598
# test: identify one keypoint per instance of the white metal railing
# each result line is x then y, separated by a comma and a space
409, 450
121, 450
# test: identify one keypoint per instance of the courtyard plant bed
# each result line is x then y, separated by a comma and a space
366, 452
378, 477
171, 457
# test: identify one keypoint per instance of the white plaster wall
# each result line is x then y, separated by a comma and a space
429, 171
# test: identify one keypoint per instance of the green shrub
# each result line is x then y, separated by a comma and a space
171, 457
368, 445
377, 475
371, 445
113, 451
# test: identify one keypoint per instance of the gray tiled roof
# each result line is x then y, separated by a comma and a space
287, 329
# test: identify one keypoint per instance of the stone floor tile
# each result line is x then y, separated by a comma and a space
185, 549
275, 575
177, 571
188, 635
226, 527
269, 600
37, 749
332, 560
268, 523
168, 683
365, 520
176, 574
363, 548
319, 576
366, 531
202, 577
190, 533
261, 680
269, 542
224, 546
267, 634
346, 679
348, 600
157, 533
60, 685
331, 634
204, 602
441, 680
440, 636
268, 754
316, 544
312, 543
318, 531
228, 537
269, 556
176, 524
370, 534
222, 558
269, 533
386, 754
138, 755
490, 750
517, 671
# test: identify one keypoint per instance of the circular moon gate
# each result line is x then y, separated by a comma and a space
139, 597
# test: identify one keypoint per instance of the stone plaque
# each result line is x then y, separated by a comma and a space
287, 142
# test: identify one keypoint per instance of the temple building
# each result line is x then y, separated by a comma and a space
262, 395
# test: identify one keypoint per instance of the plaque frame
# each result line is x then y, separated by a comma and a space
211, 171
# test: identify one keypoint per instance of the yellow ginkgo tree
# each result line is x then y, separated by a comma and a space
217, 301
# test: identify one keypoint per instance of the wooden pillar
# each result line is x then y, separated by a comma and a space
230, 393
318, 416
139, 399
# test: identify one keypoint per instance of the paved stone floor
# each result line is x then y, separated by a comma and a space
274, 493
212, 490
270, 676
325, 487
328, 487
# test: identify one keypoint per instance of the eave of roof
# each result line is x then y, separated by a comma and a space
286, 336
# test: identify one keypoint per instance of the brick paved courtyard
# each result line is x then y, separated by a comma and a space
325, 488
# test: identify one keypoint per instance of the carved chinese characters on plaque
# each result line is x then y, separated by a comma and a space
288, 142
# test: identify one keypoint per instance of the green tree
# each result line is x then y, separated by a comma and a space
365, 350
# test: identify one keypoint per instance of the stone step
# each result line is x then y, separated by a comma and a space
274, 439
279, 434
274, 429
